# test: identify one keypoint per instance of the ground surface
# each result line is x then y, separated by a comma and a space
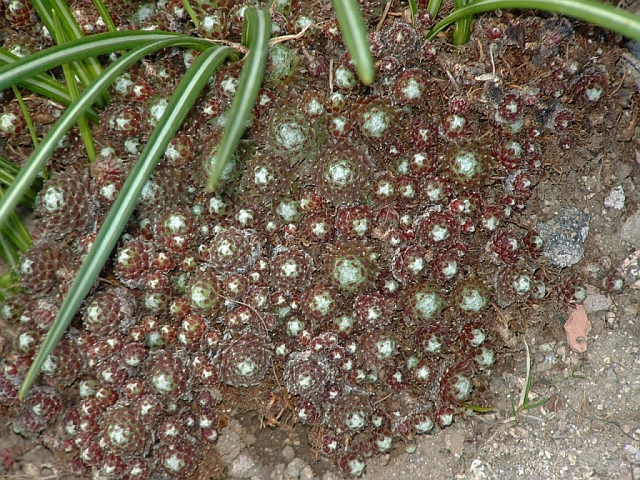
589, 428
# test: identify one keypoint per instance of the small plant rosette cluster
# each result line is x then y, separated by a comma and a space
338, 269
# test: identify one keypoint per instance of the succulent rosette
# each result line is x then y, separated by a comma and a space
244, 362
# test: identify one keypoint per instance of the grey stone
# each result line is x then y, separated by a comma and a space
329, 476
479, 470
564, 235
630, 269
596, 302
295, 467
616, 198
288, 453
630, 231
307, 473
632, 454
243, 467
229, 444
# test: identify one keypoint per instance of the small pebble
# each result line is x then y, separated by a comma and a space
596, 303
630, 269
630, 231
242, 467
564, 235
479, 470
288, 453
632, 454
295, 467
616, 198
31, 470
307, 473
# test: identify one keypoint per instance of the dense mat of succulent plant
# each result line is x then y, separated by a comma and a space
345, 267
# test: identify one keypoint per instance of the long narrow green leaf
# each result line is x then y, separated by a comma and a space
25, 114
605, 16
191, 12
89, 47
9, 285
356, 38
39, 157
8, 173
434, 7
45, 85
15, 236
70, 27
413, 6
256, 32
462, 32
16, 231
181, 102
106, 16
72, 32
83, 126
8, 253
45, 10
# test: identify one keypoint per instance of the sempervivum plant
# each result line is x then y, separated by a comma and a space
124, 431
244, 362
65, 202
306, 374
341, 174
339, 237
40, 267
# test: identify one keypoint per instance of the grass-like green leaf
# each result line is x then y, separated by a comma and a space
256, 32
7, 252
102, 43
181, 102
45, 85
413, 6
191, 12
462, 32
83, 125
39, 157
478, 408
14, 238
8, 173
433, 7
27, 117
106, 16
9, 285
597, 13
54, 12
356, 38
16, 231
72, 31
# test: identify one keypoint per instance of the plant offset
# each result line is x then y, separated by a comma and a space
344, 267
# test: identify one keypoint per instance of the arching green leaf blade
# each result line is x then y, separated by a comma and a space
86, 70
256, 32
39, 157
99, 44
356, 38
181, 102
605, 16
44, 85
